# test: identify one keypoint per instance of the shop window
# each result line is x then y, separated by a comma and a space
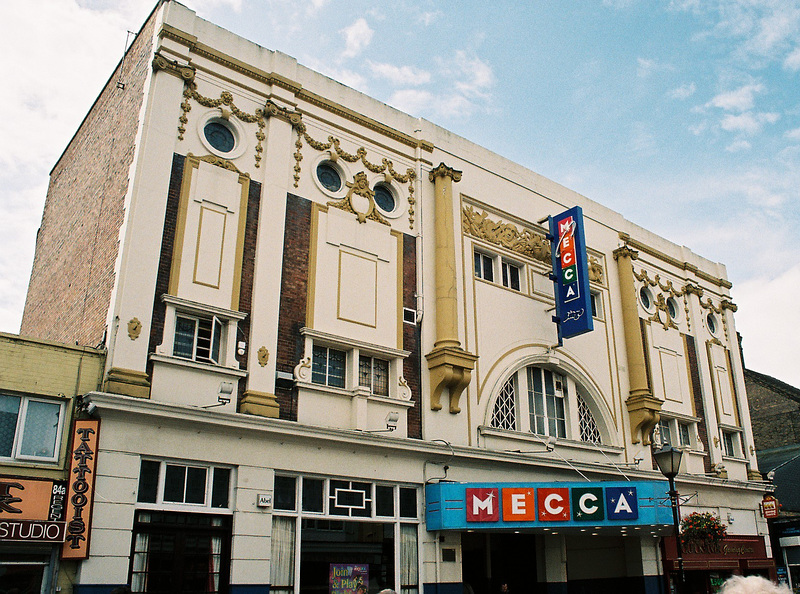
328, 366
180, 552
313, 495
167, 483
30, 428
198, 339
546, 410
349, 498
373, 373
408, 503
484, 266
285, 495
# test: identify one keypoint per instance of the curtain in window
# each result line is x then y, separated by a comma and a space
283, 552
139, 573
409, 566
214, 563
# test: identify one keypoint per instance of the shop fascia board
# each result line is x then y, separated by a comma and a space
117, 407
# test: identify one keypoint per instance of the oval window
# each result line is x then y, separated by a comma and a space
384, 198
672, 307
644, 296
711, 322
219, 136
329, 177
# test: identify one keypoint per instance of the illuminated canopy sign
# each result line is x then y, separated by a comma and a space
455, 506
570, 274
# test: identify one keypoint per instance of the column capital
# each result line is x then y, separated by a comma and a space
625, 252
443, 170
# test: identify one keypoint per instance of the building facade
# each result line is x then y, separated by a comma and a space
331, 361
39, 383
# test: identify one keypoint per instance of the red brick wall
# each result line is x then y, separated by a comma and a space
411, 338
77, 244
697, 395
775, 417
294, 292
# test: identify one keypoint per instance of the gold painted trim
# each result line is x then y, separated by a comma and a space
400, 286
190, 164
526, 242
296, 88
720, 282
239, 258
714, 394
260, 404
339, 292
316, 209
224, 214
685, 338
734, 391
127, 382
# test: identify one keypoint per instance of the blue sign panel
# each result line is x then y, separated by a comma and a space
570, 274
482, 506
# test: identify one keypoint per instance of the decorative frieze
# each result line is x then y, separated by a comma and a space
523, 242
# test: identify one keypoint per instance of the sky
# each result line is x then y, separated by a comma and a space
682, 115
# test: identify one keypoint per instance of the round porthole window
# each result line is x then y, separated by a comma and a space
384, 198
219, 136
329, 176
711, 323
646, 298
672, 308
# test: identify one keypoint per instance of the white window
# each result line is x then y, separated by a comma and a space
541, 401
684, 434
665, 431
731, 444
328, 367
676, 432
30, 428
198, 339
511, 275
199, 333
172, 483
484, 266
597, 305
373, 373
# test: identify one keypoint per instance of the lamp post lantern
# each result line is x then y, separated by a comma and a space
668, 460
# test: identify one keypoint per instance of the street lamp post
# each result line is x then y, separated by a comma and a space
668, 459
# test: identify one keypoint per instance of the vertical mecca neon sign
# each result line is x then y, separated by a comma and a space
570, 274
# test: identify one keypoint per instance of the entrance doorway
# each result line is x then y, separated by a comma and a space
491, 560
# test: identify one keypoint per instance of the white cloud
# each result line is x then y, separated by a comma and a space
764, 326
738, 146
425, 104
792, 61
474, 77
741, 99
646, 67
793, 134
428, 18
684, 91
357, 36
748, 122
400, 75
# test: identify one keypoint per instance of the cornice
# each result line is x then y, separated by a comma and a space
274, 79
689, 267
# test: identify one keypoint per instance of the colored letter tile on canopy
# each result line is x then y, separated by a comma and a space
587, 504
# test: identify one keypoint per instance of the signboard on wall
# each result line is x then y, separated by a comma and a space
348, 578
80, 488
31, 510
477, 506
570, 274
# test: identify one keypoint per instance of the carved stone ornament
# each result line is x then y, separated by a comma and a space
360, 200
183, 71
524, 242
263, 356
335, 151
134, 328
219, 162
302, 371
403, 391
443, 170
596, 272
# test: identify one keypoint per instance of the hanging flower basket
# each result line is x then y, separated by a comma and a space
702, 527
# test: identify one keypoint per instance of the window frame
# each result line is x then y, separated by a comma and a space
21, 426
216, 334
161, 503
327, 370
483, 263
734, 449
373, 373
506, 277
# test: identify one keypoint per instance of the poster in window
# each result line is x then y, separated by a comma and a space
348, 578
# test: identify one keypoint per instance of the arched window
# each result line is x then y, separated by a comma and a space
542, 401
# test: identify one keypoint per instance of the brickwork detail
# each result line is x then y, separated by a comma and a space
165, 259
248, 274
294, 295
78, 241
411, 337
697, 394
774, 412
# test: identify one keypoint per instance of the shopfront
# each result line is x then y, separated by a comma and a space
32, 530
708, 565
560, 536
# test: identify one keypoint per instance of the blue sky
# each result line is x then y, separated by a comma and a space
684, 115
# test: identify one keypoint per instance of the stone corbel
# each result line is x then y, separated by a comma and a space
184, 72
450, 368
261, 404
644, 411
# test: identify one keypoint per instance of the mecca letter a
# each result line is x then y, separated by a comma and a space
483, 504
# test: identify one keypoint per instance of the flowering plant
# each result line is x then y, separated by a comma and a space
703, 526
